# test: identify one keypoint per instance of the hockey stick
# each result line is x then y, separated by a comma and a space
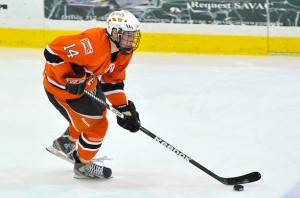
243, 179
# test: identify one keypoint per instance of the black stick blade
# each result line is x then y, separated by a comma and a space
248, 178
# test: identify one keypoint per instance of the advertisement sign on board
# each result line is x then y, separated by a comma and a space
214, 12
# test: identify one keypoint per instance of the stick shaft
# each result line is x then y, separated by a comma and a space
251, 177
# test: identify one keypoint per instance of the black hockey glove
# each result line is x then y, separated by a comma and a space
76, 81
131, 121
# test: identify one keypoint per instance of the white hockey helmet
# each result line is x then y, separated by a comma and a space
124, 21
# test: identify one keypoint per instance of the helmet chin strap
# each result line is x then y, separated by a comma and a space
123, 50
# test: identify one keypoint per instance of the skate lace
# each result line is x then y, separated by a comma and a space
94, 169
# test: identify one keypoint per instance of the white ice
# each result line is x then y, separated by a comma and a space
232, 114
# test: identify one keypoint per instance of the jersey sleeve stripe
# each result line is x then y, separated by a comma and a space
113, 92
106, 87
50, 50
51, 57
55, 83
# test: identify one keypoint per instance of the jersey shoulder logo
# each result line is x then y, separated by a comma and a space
87, 46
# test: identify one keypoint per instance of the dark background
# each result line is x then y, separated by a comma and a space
226, 12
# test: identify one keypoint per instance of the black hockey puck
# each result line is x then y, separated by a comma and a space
238, 187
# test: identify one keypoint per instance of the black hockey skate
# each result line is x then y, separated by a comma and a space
62, 147
90, 171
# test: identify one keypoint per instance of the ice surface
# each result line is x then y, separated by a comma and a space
232, 114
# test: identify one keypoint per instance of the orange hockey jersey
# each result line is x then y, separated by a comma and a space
91, 50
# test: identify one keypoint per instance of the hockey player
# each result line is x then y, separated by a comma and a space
94, 60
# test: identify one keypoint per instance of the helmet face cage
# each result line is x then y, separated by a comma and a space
127, 26
128, 40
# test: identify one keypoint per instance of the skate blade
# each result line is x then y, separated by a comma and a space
86, 177
59, 154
